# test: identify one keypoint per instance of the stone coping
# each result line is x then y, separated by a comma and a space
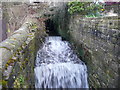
9, 46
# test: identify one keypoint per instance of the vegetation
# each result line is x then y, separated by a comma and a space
85, 8
19, 82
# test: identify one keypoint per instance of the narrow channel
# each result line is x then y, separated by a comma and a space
57, 66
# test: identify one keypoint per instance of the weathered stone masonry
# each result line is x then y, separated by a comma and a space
97, 41
19, 52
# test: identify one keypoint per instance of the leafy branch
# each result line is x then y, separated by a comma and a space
84, 8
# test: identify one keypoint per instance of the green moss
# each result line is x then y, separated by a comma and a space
110, 73
8, 30
33, 27
9, 62
26, 59
0, 82
20, 82
23, 64
4, 83
6, 48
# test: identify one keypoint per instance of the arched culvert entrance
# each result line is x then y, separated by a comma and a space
51, 30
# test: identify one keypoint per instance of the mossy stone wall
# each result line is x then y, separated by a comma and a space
19, 54
97, 41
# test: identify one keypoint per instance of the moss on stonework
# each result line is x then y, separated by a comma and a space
23, 64
3, 83
6, 48
34, 26
10, 63
23, 69
20, 82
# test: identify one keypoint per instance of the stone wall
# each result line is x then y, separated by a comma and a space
115, 7
18, 54
13, 16
96, 40
18, 51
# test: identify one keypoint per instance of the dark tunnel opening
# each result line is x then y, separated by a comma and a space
50, 27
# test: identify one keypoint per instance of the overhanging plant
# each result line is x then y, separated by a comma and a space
84, 8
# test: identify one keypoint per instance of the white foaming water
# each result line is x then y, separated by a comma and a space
57, 66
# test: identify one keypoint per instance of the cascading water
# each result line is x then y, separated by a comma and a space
58, 67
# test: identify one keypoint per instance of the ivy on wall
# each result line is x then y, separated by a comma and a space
85, 8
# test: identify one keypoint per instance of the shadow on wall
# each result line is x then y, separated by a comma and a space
3, 29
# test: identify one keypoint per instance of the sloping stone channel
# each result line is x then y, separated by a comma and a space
95, 40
